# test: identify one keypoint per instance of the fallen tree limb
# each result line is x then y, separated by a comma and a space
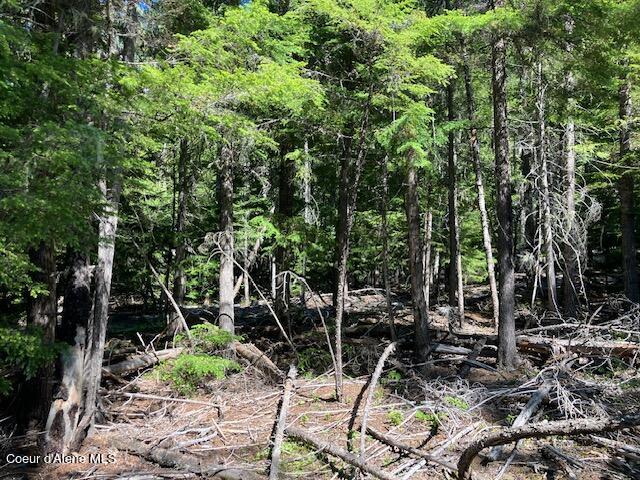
258, 359
282, 420
142, 360
591, 347
523, 417
172, 459
393, 443
542, 430
338, 452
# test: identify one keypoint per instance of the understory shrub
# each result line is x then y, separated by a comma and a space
188, 372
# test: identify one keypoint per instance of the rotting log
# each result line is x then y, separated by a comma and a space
142, 360
210, 467
338, 452
282, 420
584, 347
258, 359
542, 430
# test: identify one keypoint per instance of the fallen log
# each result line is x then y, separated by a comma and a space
542, 430
258, 359
142, 360
282, 420
338, 452
399, 446
465, 368
191, 463
589, 347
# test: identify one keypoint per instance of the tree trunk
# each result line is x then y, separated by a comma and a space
349, 181
475, 156
385, 247
41, 312
626, 189
226, 295
284, 214
507, 352
412, 209
456, 294
180, 279
552, 303
426, 257
97, 324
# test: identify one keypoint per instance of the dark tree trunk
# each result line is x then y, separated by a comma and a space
385, 247
507, 352
456, 294
419, 306
626, 189
226, 294
180, 279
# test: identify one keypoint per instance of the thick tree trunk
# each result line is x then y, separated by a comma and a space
226, 295
626, 189
552, 303
456, 294
180, 279
507, 352
41, 312
97, 325
477, 165
419, 307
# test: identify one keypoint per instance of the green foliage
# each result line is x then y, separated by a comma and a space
435, 419
188, 372
207, 338
23, 353
457, 402
395, 417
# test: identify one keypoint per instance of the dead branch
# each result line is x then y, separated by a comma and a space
523, 417
173, 459
465, 368
338, 452
282, 419
542, 430
393, 443
258, 359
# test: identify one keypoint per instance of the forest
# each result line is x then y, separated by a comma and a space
322, 239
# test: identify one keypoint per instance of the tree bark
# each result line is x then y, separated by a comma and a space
226, 295
456, 294
626, 191
507, 352
552, 303
180, 279
477, 165
419, 307
426, 257
385, 247
350, 172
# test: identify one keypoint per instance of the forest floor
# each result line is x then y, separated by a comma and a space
429, 408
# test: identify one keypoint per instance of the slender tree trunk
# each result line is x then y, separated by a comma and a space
456, 294
626, 189
350, 172
180, 279
385, 247
284, 214
507, 352
420, 313
426, 257
477, 165
572, 247
226, 294
552, 303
